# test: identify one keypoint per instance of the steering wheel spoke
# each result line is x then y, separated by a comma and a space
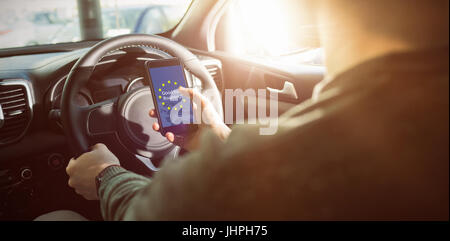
101, 118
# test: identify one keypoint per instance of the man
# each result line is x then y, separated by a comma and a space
371, 144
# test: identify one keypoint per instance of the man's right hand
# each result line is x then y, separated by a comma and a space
210, 120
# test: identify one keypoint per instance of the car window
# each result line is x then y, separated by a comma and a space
153, 21
260, 28
27, 23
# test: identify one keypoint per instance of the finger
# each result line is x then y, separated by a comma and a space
170, 136
190, 92
186, 91
99, 146
70, 166
86, 195
70, 182
194, 106
193, 94
201, 97
152, 113
155, 126
89, 197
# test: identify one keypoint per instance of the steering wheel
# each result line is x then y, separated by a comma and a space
125, 117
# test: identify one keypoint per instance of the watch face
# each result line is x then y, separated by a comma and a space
97, 182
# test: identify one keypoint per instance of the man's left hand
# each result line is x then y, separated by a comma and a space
83, 170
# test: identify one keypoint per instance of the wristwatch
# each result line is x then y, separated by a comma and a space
99, 177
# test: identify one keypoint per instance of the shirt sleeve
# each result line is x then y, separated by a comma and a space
117, 188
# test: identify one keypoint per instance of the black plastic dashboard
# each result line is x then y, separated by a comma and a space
45, 75
35, 160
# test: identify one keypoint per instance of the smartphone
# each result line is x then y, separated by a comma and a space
174, 110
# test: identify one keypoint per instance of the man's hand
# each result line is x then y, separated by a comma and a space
83, 170
210, 120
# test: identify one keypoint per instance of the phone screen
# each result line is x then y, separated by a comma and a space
173, 108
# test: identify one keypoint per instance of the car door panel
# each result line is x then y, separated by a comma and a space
294, 83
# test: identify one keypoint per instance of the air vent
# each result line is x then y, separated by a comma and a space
15, 111
214, 67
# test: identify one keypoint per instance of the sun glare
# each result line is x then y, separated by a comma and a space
264, 26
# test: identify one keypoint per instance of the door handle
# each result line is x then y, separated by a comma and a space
288, 91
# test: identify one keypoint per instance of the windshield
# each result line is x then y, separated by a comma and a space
37, 22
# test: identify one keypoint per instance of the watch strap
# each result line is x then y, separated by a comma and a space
107, 170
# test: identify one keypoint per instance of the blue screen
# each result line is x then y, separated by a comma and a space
173, 108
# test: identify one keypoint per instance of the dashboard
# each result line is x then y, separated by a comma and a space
112, 78
33, 148
44, 76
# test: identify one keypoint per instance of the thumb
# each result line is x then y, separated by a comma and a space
193, 94
188, 92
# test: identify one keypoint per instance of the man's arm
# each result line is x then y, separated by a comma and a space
242, 177
117, 188
219, 181
127, 196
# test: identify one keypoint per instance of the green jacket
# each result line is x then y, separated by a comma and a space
373, 144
